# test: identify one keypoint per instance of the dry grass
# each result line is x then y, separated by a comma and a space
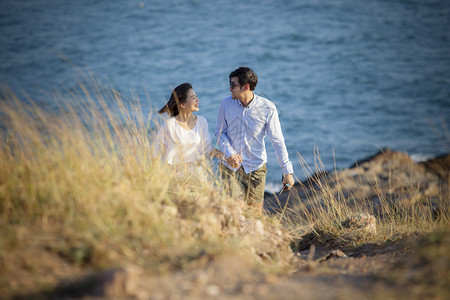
398, 203
83, 185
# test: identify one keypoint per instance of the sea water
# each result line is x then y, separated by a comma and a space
348, 77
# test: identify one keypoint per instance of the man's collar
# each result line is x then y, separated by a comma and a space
251, 101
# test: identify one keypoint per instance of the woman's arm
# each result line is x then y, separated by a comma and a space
217, 154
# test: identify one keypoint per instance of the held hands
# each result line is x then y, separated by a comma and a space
234, 160
288, 182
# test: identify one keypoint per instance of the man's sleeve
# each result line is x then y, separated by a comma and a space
276, 136
221, 133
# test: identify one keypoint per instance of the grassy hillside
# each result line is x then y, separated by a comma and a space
80, 191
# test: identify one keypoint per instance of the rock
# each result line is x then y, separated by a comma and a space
259, 228
213, 290
332, 254
110, 284
362, 222
388, 178
439, 166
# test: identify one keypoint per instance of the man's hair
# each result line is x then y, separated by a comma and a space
246, 76
178, 96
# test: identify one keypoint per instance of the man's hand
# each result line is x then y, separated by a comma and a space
288, 182
234, 160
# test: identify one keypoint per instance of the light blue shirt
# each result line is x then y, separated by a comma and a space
242, 130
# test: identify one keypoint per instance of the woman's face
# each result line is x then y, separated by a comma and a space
191, 103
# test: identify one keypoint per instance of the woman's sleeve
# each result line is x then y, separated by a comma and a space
161, 142
206, 138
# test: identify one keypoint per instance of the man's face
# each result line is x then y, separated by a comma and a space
235, 88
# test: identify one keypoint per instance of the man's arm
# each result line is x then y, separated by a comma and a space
221, 133
276, 136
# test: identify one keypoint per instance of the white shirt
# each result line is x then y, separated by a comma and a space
242, 130
177, 145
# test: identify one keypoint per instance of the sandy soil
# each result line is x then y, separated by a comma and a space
412, 267
408, 267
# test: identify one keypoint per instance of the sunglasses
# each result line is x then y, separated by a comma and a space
233, 85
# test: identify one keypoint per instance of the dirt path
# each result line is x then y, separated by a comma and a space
394, 270
389, 271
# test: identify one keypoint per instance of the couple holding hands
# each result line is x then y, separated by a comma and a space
243, 121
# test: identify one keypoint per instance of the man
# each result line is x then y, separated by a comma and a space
243, 121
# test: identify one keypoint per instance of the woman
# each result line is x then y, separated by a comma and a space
183, 140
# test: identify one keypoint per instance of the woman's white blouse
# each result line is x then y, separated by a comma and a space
176, 145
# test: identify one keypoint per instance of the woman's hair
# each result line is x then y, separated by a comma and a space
178, 96
245, 76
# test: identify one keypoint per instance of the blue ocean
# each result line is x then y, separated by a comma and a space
348, 77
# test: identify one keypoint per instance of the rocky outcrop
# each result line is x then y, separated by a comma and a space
439, 166
386, 178
362, 222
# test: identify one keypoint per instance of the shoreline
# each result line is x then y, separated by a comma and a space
371, 180
417, 158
